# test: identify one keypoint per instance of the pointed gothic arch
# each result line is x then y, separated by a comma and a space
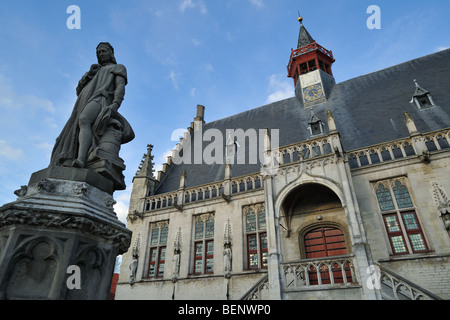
308, 187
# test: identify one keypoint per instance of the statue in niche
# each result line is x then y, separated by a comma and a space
227, 259
227, 253
134, 262
176, 265
95, 131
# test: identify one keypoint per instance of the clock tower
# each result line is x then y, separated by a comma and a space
310, 67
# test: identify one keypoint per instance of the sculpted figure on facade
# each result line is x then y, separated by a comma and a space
134, 262
176, 256
227, 253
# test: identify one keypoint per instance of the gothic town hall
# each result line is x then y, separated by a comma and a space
340, 192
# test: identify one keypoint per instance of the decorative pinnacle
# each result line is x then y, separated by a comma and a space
300, 18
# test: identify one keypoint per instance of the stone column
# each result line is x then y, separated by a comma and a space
274, 252
60, 239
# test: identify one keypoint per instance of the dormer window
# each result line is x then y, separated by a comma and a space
424, 102
422, 98
316, 126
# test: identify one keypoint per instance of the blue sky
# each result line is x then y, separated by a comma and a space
228, 55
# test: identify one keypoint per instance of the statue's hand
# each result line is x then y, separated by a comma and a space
94, 69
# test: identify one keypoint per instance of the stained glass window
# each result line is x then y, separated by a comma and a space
152, 264
161, 262
163, 237
263, 240
398, 244
198, 257
199, 229
209, 267
384, 198
262, 220
209, 232
155, 236
250, 222
403, 228
204, 248
255, 226
417, 242
410, 221
392, 223
252, 251
158, 241
402, 196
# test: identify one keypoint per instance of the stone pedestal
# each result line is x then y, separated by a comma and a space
60, 239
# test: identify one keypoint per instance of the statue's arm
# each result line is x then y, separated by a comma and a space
119, 93
83, 82
87, 77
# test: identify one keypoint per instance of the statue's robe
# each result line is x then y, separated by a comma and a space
102, 89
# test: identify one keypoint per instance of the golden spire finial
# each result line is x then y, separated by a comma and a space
300, 19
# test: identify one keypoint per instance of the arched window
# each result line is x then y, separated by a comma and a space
158, 242
255, 230
400, 217
204, 244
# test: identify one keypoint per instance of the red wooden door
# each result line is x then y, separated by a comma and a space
326, 242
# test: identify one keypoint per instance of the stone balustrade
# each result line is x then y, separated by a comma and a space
317, 272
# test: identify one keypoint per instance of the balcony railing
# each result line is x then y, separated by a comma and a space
312, 273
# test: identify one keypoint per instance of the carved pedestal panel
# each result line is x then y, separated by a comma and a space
59, 240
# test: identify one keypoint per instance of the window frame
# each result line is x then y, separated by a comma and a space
204, 241
399, 210
157, 247
260, 231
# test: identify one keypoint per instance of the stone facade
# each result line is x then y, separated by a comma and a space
348, 201
354, 208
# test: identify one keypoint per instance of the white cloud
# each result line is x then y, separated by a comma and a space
257, 3
209, 67
441, 48
229, 37
9, 152
173, 76
280, 88
161, 160
9, 99
122, 204
196, 42
190, 4
186, 4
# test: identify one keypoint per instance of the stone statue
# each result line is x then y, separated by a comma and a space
133, 269
227, 259
94, 132
134, 263
176, 265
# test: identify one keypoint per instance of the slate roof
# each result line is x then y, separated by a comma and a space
367, 110
304, 38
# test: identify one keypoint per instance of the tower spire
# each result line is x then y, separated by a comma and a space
146, 166
310, 68
304, 38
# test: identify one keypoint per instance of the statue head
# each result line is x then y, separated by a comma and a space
105, 53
